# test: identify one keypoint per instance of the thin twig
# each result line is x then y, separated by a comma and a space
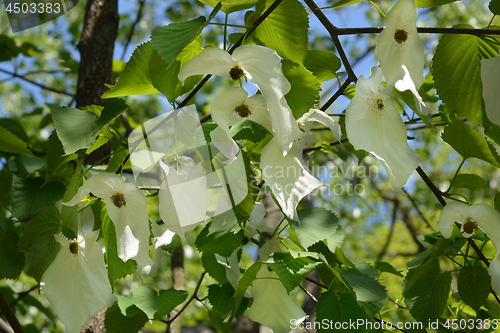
194, 296
424, 30
35, 83
308, 294
391, 231
131, 33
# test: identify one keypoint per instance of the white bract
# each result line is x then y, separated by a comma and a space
470, 218
127, 208
490, 76
400, 51
263, 67
229, 108
373, 123
76, 283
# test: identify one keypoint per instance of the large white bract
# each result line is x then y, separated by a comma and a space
76, 283
262, 66
470, 218
127, 208
373, 124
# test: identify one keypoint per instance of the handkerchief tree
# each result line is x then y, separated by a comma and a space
258, 126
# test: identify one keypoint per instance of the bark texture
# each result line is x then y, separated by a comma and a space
179, 283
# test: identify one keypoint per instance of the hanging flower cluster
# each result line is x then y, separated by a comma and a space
479, 216
372, 121
281, 161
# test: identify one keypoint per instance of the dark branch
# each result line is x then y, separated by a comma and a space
424, 30
22, 77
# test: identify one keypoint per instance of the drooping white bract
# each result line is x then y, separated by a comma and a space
373, 123
127, 208
400, 51
229, 108
470, 218
399, 44
262, 66
308, 119
183, 196
272, 306
76, 283
490, 77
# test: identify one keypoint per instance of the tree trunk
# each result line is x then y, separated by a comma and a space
179, 283
96, 47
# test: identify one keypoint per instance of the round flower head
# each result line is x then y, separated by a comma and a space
262, 66
480, 216
373, 124
127, 208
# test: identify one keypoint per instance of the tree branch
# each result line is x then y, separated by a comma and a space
22, 77
9, 314
425, 30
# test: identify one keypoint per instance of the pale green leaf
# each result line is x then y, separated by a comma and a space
432, 3
457, 73
10, 143
470, 143
341, 308
343, 3
285, 30
28, 195
78, 129
323, 64
170, 40
245, 281
471, 182
146, 299
316, 224
304, 93
231, 6
38, 240
134, 80
474, 283
127, 306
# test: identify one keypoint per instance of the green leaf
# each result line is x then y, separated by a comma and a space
5, 186
28, 195
146, 299
370, 294
223, 241
165, 77
69, 214
8, 47
285, 30
170, 40
497, 201
221, 297
470, 143
323, 64
213, 267
290, 270
231, 6
134, 80
432, 3
471, 182
116, 322
127, 306
12, 260
343, 3
78, 129
316, 224
245, 281
14, 127
457, 73
219, 324
10, 143
168, 300
38, 240
387, 267
494, 7
304, 93
474, 283
426, 292
117, 269
341, 308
